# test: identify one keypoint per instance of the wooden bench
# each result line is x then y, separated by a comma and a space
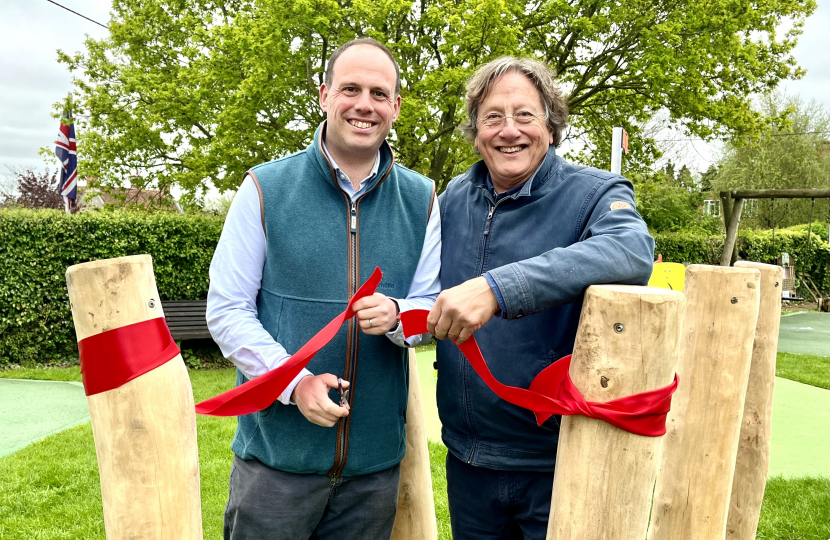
186, 319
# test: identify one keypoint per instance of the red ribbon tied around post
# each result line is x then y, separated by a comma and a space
115, 357
551, 392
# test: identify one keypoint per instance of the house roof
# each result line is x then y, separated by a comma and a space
139, 197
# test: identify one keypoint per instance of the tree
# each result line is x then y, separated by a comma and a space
671, 202
186, 92
32, 189
793, 153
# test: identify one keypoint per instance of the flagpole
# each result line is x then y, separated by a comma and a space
66, 205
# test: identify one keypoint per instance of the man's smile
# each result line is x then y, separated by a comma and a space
511, 149
362, 124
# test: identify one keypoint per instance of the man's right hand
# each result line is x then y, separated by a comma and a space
312, 397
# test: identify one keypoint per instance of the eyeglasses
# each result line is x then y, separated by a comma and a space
522, 117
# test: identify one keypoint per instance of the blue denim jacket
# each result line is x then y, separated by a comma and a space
567, 228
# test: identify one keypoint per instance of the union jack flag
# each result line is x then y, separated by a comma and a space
65, 150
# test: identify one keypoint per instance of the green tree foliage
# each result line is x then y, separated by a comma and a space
793, 153
672, 201
186, 92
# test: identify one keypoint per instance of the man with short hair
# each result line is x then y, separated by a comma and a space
301, 236
524, 233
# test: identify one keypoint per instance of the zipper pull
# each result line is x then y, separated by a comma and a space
489, 218
354, 218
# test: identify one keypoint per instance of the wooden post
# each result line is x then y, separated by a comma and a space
698, 458
732, 232
752, 463
145, 430
726, 208
628, 342
416, 507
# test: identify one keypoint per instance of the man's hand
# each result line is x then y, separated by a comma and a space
312, 397
461, 310
376, 314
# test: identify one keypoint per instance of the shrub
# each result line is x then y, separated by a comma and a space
36, 247
758, 245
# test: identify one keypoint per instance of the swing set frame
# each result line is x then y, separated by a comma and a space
732, 203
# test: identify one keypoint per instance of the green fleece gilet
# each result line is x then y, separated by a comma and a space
314, 263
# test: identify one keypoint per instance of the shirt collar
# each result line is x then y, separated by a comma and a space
519, 191
338, 170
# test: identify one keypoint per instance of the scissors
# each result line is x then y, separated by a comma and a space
344, 394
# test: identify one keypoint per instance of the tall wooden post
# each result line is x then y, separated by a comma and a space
145, 430
698, 458
752, 463
627, 343
416, 506
731, 232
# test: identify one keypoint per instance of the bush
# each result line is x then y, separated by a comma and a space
810, 260
36, 247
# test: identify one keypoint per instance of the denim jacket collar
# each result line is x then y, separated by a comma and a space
478, 174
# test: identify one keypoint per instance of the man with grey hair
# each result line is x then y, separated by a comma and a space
302, 234
524, 233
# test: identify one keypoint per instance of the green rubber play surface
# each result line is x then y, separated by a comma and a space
31, 410
806, 332
800, 444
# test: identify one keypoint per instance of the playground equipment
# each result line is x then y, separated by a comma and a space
712, 462
752, 462
145, 428
697, 465
732, 203
668, 275
627, 343
416, 504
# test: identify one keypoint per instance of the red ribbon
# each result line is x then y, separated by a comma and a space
114, 357
551, 392
261, 392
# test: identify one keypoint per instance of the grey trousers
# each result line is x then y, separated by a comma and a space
267, 504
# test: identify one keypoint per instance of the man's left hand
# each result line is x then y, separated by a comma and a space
376, 314
461, 310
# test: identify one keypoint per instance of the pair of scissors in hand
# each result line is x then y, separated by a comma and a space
344, 394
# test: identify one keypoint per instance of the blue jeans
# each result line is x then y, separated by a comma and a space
486, 504
267, 504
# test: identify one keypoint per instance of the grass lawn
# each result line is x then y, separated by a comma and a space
50, 490
804, 368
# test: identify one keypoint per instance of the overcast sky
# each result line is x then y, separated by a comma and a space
31, 79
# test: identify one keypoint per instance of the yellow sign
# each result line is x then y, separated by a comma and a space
668, 276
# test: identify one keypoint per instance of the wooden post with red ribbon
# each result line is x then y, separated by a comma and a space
694, 483
752, 463
627, 343
140, 402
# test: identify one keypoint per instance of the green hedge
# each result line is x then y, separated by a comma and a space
36, 247
757, 245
